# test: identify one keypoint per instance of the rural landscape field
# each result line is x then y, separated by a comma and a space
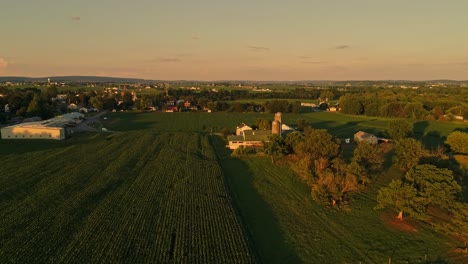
321, 132
163, 188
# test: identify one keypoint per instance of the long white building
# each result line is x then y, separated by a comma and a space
33, 130
54, 128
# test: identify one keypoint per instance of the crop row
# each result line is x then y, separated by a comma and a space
129, 197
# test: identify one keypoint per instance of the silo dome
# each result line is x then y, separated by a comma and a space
278, 117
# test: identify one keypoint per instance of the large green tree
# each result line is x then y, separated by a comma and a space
424, 185
333, 184
263, 124
400, 129
320, 146
367, 160
400, 196
408, 153
415, 110
458, 142
276, 147
435, 186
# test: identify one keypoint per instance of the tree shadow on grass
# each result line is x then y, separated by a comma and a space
259, 221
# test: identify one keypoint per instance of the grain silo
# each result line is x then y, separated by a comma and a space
278, 117
276, 127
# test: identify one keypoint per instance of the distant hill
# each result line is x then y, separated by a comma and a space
93, 79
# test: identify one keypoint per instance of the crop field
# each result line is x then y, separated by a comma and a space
133, 197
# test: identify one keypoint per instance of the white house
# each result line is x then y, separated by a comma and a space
243, 127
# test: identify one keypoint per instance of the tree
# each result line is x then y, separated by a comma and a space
52, 91
351, 104
292, 139
415, 110
399, 129
327, 95
435, 186
302, 124
367, 159
275, 147
424, 185
96, 102
320, 146
458, 142
437, 111
295, 107
401, 197
263, 124
34, 107
408, 152
334, 183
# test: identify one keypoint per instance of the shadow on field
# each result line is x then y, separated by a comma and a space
262, 227
21, 146
429, 138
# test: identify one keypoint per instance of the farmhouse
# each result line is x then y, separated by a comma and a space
55, 128
247, 137
243, 127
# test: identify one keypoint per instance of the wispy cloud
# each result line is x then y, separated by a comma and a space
3, 64
167, 59
258, 48
340, 47
196, 37
313, 62
75, 18
304, 57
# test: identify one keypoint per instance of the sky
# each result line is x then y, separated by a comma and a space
236, 40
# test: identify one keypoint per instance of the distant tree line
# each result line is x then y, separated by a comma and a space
430, 105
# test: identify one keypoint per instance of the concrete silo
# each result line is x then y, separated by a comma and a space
276, 128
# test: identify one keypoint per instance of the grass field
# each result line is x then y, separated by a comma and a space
135, 197
288, 227
158, 191
342, 126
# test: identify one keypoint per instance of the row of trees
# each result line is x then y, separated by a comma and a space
418, 107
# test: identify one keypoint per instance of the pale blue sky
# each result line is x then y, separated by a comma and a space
220, 39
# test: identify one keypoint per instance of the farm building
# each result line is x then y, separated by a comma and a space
33, 130
362, 136
54, 128
249, 138
241, 128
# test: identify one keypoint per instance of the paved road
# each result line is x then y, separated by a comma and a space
86, 125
